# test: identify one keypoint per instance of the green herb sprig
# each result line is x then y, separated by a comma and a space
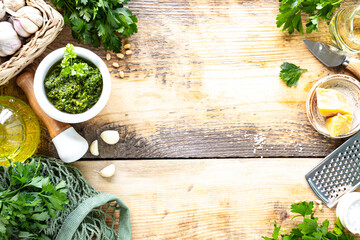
96, 21
73, 86
290, 73
309, 229
28, 202
316, 10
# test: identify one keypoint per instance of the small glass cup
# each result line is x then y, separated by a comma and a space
19, 130
345, 29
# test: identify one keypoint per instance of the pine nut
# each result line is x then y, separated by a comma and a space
108, 57
120, 55
128, 52
115, 64
121, 74
314, 208
127, 46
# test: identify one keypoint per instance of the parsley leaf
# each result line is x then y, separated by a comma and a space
291, 10
96, 21
302, 208
28, 202
290, 73
308, 226
276, 232
309, 229
69, 54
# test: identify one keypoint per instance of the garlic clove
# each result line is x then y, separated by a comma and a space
9, 40
2, 11
22, 12
108, 171
19, 29
14, 5
28, 25
110, 136
37, 19
94, 148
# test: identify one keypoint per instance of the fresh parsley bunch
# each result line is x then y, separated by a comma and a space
93, 21
291, 10
28, 202
310, 229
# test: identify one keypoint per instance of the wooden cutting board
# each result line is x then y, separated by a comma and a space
203, 82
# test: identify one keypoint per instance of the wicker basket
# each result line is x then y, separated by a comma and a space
53, 24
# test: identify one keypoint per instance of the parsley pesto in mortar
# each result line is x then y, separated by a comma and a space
73, 85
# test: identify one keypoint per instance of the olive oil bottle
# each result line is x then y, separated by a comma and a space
19, 130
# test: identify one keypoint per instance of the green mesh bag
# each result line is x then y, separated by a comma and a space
90, 214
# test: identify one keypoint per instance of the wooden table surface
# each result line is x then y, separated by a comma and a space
213, 144
208, 198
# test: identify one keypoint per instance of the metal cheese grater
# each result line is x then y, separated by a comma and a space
338, 173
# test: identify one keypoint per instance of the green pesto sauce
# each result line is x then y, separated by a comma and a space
75, 91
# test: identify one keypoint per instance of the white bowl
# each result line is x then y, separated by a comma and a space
49, 108
349, 87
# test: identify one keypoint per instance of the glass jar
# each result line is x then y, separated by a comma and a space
19, 130
348, 211
345, 29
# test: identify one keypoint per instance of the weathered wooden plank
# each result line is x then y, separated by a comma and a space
207, 199
203, 82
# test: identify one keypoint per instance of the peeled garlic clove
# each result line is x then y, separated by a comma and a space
108, 171
94, 148
110, 136
28, 25
14, 5
9, 40
19, 29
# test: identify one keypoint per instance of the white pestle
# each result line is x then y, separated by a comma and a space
70, 145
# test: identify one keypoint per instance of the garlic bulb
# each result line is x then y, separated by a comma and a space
2, 11
32, 14
9, 40
14, 5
